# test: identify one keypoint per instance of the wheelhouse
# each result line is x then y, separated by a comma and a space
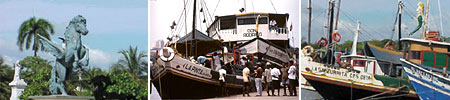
429, 53
239, 28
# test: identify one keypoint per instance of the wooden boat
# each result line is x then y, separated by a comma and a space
426, 63
358, 77
180, 78
176, 77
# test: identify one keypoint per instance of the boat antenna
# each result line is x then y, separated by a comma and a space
276, 9
337, 15
185, 28
355, 38
309, 23
400, 8
193, 31
257, 20
426, 19
330, 24
440, 17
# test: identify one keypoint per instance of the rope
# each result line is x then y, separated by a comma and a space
273, 6
216, 7
207, 10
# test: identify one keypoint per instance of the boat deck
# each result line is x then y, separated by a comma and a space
264, 96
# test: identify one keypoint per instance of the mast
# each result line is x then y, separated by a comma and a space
440, 17
337, 15
185, 28
309, 23
355, 39
399, 24
426, 19
194, 50
331, 12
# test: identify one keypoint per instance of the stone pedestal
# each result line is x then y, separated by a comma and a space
61, 97
17, 85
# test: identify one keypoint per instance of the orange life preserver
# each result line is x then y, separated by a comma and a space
338, 58
322, 44
334, 36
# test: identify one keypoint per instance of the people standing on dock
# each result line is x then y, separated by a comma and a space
258, 77
222, 75
268, 78
284, 78
246, 76
217, 63
275, 72
292, 76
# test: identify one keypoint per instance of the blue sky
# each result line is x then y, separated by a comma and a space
113, 26
376, 16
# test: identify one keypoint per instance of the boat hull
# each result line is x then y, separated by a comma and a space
338, 90
428, 85
174, 86
182, 79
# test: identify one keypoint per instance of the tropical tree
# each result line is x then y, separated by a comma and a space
118, 86
36, 73
6, 75
134, 62
29, 31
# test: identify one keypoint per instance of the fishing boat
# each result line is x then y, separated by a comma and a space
250, 32
177, 75
356, 77
426, 64
426, 61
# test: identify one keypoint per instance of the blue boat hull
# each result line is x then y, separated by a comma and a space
427, 90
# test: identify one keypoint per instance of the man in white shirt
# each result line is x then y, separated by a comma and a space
222, 74
246, 76
273, 25
268, 78
292, 76
275, 72
217, 63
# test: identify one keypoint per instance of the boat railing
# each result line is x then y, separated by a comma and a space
280, 31
228, 31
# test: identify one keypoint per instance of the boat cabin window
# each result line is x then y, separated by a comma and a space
228, 23
415, 54
246, 21
359, 63
441, 59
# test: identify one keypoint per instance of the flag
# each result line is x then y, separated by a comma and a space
290, 28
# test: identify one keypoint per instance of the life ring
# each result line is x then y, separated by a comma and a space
166, 58
338, 56
338, 36
387, 45
307, 50
322, 44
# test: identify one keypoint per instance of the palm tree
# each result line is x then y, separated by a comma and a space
6, 75
134, 62
29, 31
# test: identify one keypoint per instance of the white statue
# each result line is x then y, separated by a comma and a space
18, 84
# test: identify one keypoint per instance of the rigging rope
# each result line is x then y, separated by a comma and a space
207, 10
273, 6
216, 7
181, 16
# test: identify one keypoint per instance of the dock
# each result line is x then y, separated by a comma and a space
263, 97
